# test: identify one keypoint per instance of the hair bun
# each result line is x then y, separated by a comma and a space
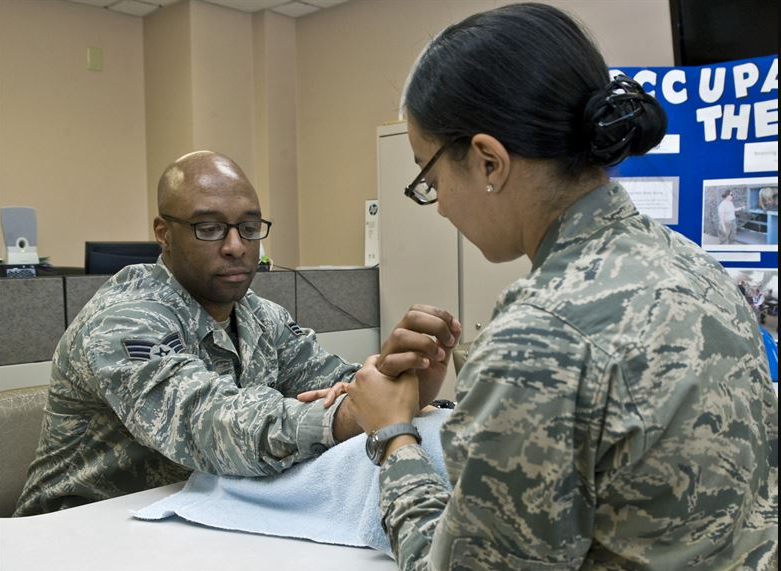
622, 120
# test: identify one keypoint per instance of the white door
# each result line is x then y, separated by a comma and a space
418, 248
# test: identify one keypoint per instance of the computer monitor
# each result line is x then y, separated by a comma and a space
108, 258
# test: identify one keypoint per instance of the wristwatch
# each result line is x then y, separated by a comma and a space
377, 440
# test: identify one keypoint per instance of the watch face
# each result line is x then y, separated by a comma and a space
377, 441
373, 447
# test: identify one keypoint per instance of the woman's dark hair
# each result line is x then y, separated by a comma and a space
529, 76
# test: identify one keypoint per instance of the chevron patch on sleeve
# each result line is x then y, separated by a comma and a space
141, 350
295, 328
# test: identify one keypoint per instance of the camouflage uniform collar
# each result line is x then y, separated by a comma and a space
162, 274
596, 210
205, 323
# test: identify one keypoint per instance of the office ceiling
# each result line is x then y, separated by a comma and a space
291, 8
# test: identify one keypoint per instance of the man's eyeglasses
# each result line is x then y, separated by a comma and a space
419, 190
213, 231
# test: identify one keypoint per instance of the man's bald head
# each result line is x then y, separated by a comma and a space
207, 188
194, 172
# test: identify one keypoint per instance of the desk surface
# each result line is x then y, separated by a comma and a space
104, 536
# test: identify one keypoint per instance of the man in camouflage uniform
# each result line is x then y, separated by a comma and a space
615, 415
176, 366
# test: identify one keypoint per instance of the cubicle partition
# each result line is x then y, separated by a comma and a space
78, 291
338, 300
341, 305
32, 318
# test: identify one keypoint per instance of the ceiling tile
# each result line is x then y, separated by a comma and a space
134, 7
295, 9
325, 3
100, 3
248, 5
292, 8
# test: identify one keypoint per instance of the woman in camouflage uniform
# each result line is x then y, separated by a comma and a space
616, 414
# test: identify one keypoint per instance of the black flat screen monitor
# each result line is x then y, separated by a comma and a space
712, 31
108, 258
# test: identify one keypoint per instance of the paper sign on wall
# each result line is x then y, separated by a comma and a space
371, 237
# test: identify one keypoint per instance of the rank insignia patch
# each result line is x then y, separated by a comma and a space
295, 328
140, 350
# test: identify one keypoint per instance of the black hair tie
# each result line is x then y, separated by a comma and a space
610, 117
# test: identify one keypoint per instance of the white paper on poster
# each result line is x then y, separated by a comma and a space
760, 157
670, 145
656, 197
737, 256
372, 236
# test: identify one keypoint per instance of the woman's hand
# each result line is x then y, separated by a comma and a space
422, 342
379, 400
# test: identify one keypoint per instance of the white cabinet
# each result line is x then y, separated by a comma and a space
422, 257
481, 284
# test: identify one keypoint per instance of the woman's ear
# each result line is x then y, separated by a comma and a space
493, 161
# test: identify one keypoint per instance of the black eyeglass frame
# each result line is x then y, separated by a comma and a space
409, 190
265, 227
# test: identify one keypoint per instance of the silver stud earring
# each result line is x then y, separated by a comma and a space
489, 188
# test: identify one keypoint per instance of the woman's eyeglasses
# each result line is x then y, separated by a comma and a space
421, 191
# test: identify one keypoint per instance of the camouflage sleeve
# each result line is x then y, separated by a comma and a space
303, 363
191, 415
521, 499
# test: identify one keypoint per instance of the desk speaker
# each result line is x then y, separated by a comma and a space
20, 232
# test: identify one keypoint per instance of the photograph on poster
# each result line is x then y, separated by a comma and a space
760, 288
740, 214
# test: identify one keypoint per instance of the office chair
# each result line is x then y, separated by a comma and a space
21, 413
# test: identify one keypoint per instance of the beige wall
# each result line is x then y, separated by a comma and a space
168, 95
295, 102
222, 83
199, 86
275, 126
72, 140
224, 80
352, 63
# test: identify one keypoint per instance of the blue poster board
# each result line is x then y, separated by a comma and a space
718, 162
722, 136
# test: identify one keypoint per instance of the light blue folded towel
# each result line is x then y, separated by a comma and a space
331, 499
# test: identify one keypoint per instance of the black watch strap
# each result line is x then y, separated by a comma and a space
377, 441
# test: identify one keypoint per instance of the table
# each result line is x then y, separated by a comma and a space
103, 536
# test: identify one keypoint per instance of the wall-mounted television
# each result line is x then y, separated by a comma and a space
107, 258
712, 31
